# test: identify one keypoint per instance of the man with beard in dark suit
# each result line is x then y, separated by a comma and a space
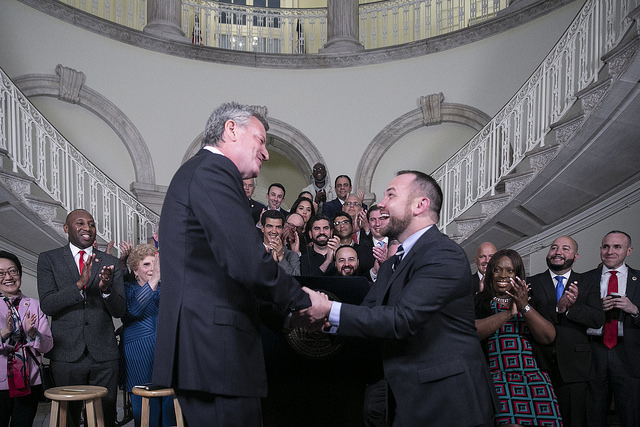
421, 311
573, 305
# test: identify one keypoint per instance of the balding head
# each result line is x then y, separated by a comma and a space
483, 255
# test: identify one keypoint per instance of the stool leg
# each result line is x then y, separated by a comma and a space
144, 417
99, 413
178, 410
91, 413
54, 414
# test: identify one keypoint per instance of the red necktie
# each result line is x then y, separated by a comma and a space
81, 261
610, 338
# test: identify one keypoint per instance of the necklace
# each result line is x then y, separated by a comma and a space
503, 301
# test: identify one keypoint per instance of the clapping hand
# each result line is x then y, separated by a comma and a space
569, 297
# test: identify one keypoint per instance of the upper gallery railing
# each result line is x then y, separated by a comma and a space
302, 31
522, 124
39, 151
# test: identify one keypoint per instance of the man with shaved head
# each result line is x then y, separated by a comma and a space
573, 305
82, 289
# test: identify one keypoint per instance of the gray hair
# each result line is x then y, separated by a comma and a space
238, 113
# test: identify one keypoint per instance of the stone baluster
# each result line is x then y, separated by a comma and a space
164, 19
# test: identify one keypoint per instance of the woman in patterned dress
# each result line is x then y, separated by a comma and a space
139, 333
508, 324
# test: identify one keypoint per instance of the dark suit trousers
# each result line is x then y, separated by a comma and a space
87, 371
212, 410
611, 373
571, 399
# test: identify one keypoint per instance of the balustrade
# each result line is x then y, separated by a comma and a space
37, 150
522, 124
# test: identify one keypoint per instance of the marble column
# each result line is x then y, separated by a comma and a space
164, 20
342, 27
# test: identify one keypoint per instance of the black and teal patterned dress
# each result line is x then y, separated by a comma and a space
525, 392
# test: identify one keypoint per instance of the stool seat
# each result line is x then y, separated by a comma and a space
159, 392
162, 392
61, 396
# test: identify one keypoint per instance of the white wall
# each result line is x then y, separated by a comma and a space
340, 110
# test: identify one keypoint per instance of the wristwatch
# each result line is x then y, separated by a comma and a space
526, 309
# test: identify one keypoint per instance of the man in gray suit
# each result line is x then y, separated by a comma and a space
272, 225
82, 289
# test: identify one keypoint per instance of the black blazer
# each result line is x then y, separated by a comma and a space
571, 346
256, 210
215, 272
423, 314
631, 326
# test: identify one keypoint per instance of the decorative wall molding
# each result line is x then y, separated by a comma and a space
68, 86
407, 123
504, 22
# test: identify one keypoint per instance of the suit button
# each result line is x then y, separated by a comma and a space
86, 323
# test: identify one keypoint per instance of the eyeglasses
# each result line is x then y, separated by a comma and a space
12, 272
343, 222
352, 204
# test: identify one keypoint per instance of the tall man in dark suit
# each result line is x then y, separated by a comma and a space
421, 310
82, 289
256, 207
616, 346
483, 255
573, 305
215, 273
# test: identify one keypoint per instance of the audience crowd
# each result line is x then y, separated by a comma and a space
562, 347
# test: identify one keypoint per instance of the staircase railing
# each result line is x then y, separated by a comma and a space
37, 150
522, 124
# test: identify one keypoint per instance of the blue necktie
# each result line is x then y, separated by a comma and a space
559, 288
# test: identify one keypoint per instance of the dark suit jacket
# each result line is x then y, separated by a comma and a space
571, 346
423, 313
631, 326
256, 210
78, 322
215, 272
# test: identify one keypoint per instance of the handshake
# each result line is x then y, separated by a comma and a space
316, 317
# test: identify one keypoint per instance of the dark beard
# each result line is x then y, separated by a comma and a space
396, 226
315, 242
566, 265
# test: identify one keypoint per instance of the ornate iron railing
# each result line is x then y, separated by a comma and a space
39, 151
522, 124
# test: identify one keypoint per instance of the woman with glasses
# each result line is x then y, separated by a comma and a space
25, 334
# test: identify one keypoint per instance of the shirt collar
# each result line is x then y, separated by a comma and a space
213, 149
411, 240
74, 250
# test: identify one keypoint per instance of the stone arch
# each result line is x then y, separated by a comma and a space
68, 86
284, 139
432, 111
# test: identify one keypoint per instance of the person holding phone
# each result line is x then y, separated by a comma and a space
507, 324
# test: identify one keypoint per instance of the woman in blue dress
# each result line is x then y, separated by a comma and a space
509, 326
140, 330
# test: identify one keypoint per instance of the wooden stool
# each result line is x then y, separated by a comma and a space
61, 396
161, 392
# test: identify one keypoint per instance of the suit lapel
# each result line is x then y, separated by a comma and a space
67, 255
633, 285
400, 271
